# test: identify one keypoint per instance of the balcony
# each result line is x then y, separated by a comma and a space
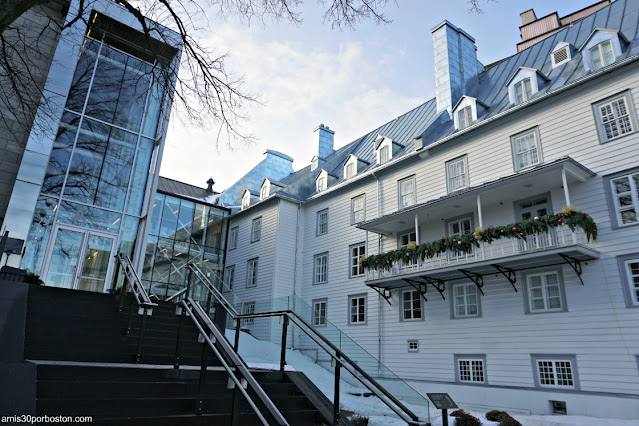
557, 246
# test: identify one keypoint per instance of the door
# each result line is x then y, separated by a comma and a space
537, 207
459, 227
79, 259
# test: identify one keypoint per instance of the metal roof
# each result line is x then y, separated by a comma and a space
174, 187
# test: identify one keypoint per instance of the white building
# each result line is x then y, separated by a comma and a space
543, 324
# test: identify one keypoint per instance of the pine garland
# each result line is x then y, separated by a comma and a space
462, 244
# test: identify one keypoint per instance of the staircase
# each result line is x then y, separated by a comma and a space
86, 366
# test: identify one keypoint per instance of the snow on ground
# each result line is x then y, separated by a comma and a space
266, 355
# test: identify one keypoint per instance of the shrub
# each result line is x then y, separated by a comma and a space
458, 413
359, 421
466, 419
496, 415
507, 420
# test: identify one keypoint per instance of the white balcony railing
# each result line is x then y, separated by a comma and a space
558, 237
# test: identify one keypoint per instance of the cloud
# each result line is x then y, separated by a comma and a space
347, 87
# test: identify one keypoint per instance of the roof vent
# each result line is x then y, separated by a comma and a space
560, 55
210, 184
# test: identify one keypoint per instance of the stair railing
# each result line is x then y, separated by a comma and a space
339, 358
140, 297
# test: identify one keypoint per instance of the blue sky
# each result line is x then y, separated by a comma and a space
350, 80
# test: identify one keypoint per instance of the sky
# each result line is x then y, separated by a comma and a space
352, 80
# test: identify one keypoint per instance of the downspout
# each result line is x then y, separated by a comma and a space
380, 311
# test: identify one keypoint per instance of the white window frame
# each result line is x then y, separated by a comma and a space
465, 117
633, 193
415, 308
406, 200
246, 200
384, 154
413, 345
354, 315
256, 229
322, 225
264, 191
463, 175
350, 170
623, 124
356, 251
514, 140
320, 305
598, 50
552, 363
229, 277
252, 269
314, 163
358, 215
248, 308
633, 286
320, 268
474, 369
233, 237
466, 304
526, 92
321, 183
545, 296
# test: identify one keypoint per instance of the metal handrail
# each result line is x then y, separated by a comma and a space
176, 295
340, 358
194, 309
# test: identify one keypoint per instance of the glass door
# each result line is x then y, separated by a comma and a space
459, 227
79, 259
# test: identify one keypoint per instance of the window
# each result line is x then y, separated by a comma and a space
466, 300
544, 292
246, 200
615, 117
404, 239
411, 305
457, 173
321, 184
413, 346
356, 252
558, 373
602, 55
471, 370
233, 237
384, 154
626, 198
264, 192
465, 117
406, 192
248, 308
322, 222
350, 170
319, 312
251, 273
229, 277
320, 274
314, 163
358, 209
559, 407
523, 90
526, 150
357, 309
632, 270
256, 229
536, 207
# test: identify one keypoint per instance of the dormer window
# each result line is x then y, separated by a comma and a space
523, 91
264, 191
560, 54
384, 154
602, 55
350, 170
246, 200
465, 117
314, 163
352, 166
321, 184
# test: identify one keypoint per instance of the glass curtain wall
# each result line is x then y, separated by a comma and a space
104, 152
182, 231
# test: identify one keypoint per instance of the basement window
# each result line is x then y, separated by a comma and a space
558, 407
413, 346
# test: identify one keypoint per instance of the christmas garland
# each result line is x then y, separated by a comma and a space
462, 244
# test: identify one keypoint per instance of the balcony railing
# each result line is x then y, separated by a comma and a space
558, 237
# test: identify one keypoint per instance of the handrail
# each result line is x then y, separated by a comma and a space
339, 357
193, 308
175, 295
138, 290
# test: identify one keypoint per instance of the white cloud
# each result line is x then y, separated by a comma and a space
347, 88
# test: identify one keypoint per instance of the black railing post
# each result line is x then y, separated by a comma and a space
114, 287
176, 362
238, 329
235, 405
283, 353
336, 411
142, 327
200, 405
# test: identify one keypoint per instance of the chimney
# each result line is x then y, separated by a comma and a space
210, 184
455, 64
323, 138
527, 17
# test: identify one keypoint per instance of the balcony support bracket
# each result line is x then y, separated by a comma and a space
437, 284
475, 278
508, 273
420, 287
575, 264
384, 292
